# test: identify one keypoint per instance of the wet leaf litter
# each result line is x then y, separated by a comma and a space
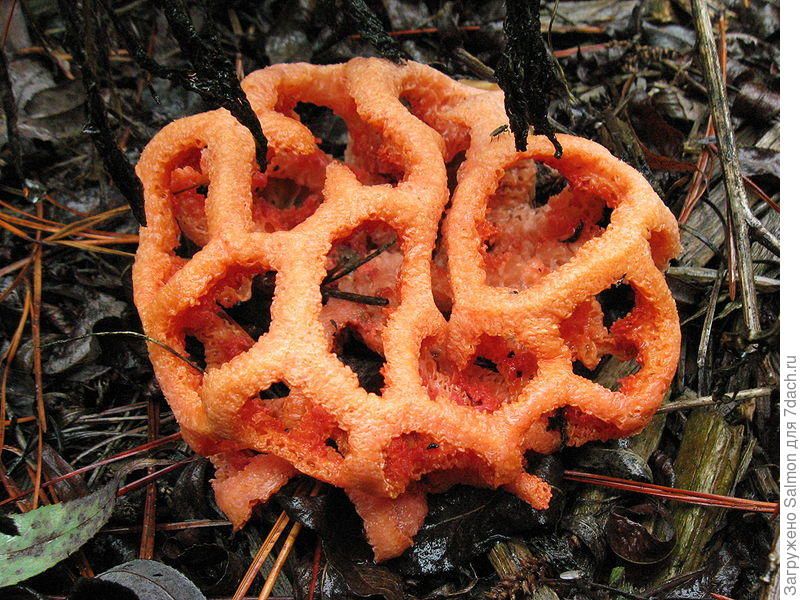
634, 83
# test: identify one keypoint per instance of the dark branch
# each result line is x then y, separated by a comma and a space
525, 73
212, 75
10, 110
352, 297
82, 37
371, 29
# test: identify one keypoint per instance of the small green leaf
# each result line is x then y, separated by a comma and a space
50, 534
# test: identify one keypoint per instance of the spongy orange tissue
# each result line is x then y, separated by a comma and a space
429, 243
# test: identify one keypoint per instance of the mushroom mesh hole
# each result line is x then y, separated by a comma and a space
549, 183
578, 428
362, 283
616, 302
280, 203
196, 351
609, 372
188, 186
411, 455
591, 337
422, 103
440, 279
355, 142
252, 311
453, 165
277, 390
417, 456
661, 248
186, 248
534, 224
495, 375
367, 364
328, 127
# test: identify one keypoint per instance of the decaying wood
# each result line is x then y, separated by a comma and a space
772, 588
592, 505
710, 457
511, 558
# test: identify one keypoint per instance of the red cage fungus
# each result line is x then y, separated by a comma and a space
490, 292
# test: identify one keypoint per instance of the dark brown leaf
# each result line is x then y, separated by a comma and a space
652, 128
635, 542
755, 101
760, 161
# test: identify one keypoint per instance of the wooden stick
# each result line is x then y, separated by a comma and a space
269, 584
147, 544
729, 163
288, 544
116, 457
741, 395
682, 495
177, 526
261, 556
36, 338
706, 275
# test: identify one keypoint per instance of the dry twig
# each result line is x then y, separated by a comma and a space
743, 220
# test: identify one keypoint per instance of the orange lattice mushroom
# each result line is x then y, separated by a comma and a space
483, 316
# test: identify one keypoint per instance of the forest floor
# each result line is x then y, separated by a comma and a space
84, 422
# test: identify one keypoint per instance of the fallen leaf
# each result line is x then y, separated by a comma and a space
754, 101
215, 568
464, 522
142, 579
652, 128
633, 541
50, 534
71, 488
614, 462
347, 555
675, 37
760, 161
